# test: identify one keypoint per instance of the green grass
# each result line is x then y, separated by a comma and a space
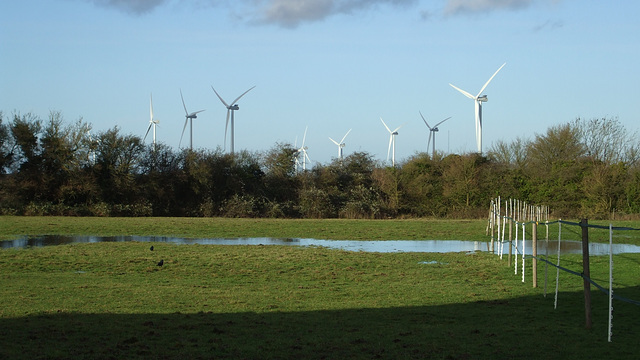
111, 301
329, 229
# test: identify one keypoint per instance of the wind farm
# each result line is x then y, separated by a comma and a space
302, 159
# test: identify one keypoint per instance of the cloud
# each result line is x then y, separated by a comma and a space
136, 7
291, 13
456, 7
285, 13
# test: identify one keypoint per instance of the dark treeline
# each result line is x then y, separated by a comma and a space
581, 168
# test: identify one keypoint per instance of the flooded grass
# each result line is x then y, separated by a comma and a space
328, 229
111, 300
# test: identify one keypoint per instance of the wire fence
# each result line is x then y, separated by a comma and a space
508, 223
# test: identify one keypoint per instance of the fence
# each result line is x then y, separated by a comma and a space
516, 214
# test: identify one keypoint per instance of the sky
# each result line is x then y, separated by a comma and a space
326, 65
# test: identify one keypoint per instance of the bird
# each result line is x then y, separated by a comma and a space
151, 248
161, 262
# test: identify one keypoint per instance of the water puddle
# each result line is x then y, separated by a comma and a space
387, 246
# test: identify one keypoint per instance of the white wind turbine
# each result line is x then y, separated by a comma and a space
478, 104
432, 133
230, 110
302, 151
152, 122
340, 144
91, 154
392, 141
188, 116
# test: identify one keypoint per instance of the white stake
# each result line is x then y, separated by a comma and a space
555, 303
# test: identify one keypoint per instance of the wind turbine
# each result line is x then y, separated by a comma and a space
392, 140
91, 154
152, 122
478, 104
340, 144
432, 133
188, 116
230, 109
302, 151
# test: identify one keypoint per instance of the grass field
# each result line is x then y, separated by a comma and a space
328, 229
111, 300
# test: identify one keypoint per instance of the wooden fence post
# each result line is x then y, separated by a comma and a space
534, 249
585, 272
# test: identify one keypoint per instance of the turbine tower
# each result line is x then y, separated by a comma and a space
392, 140
302, 151
152, 122
478, 100
432, 134
188, 118
340, 144
230, 110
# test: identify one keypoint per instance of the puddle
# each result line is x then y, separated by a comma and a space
388, 246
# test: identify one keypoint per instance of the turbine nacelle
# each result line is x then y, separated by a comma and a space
482, 98
234, 107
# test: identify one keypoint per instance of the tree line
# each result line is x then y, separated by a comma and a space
581, 168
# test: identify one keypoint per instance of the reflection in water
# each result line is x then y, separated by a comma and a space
430, 246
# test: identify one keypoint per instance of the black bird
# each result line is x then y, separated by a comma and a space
161, 262
151, 248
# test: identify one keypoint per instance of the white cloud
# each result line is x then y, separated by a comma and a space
290, 13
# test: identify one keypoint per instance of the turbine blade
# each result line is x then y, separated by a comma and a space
151, 108
147, 133
238, 98
345, 136
219, 97
185, 106
389, 149
463, 92
386, 127
305, 135
491, 78
429, 141
183, 129
442, 121
398, 128
197, 112
335, 142
425, 121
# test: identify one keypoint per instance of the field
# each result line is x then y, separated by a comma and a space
111, 300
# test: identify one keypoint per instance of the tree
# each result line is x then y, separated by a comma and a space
461, 182
607, 141
6, 157
117, 161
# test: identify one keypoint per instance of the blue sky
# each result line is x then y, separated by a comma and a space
331, 65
